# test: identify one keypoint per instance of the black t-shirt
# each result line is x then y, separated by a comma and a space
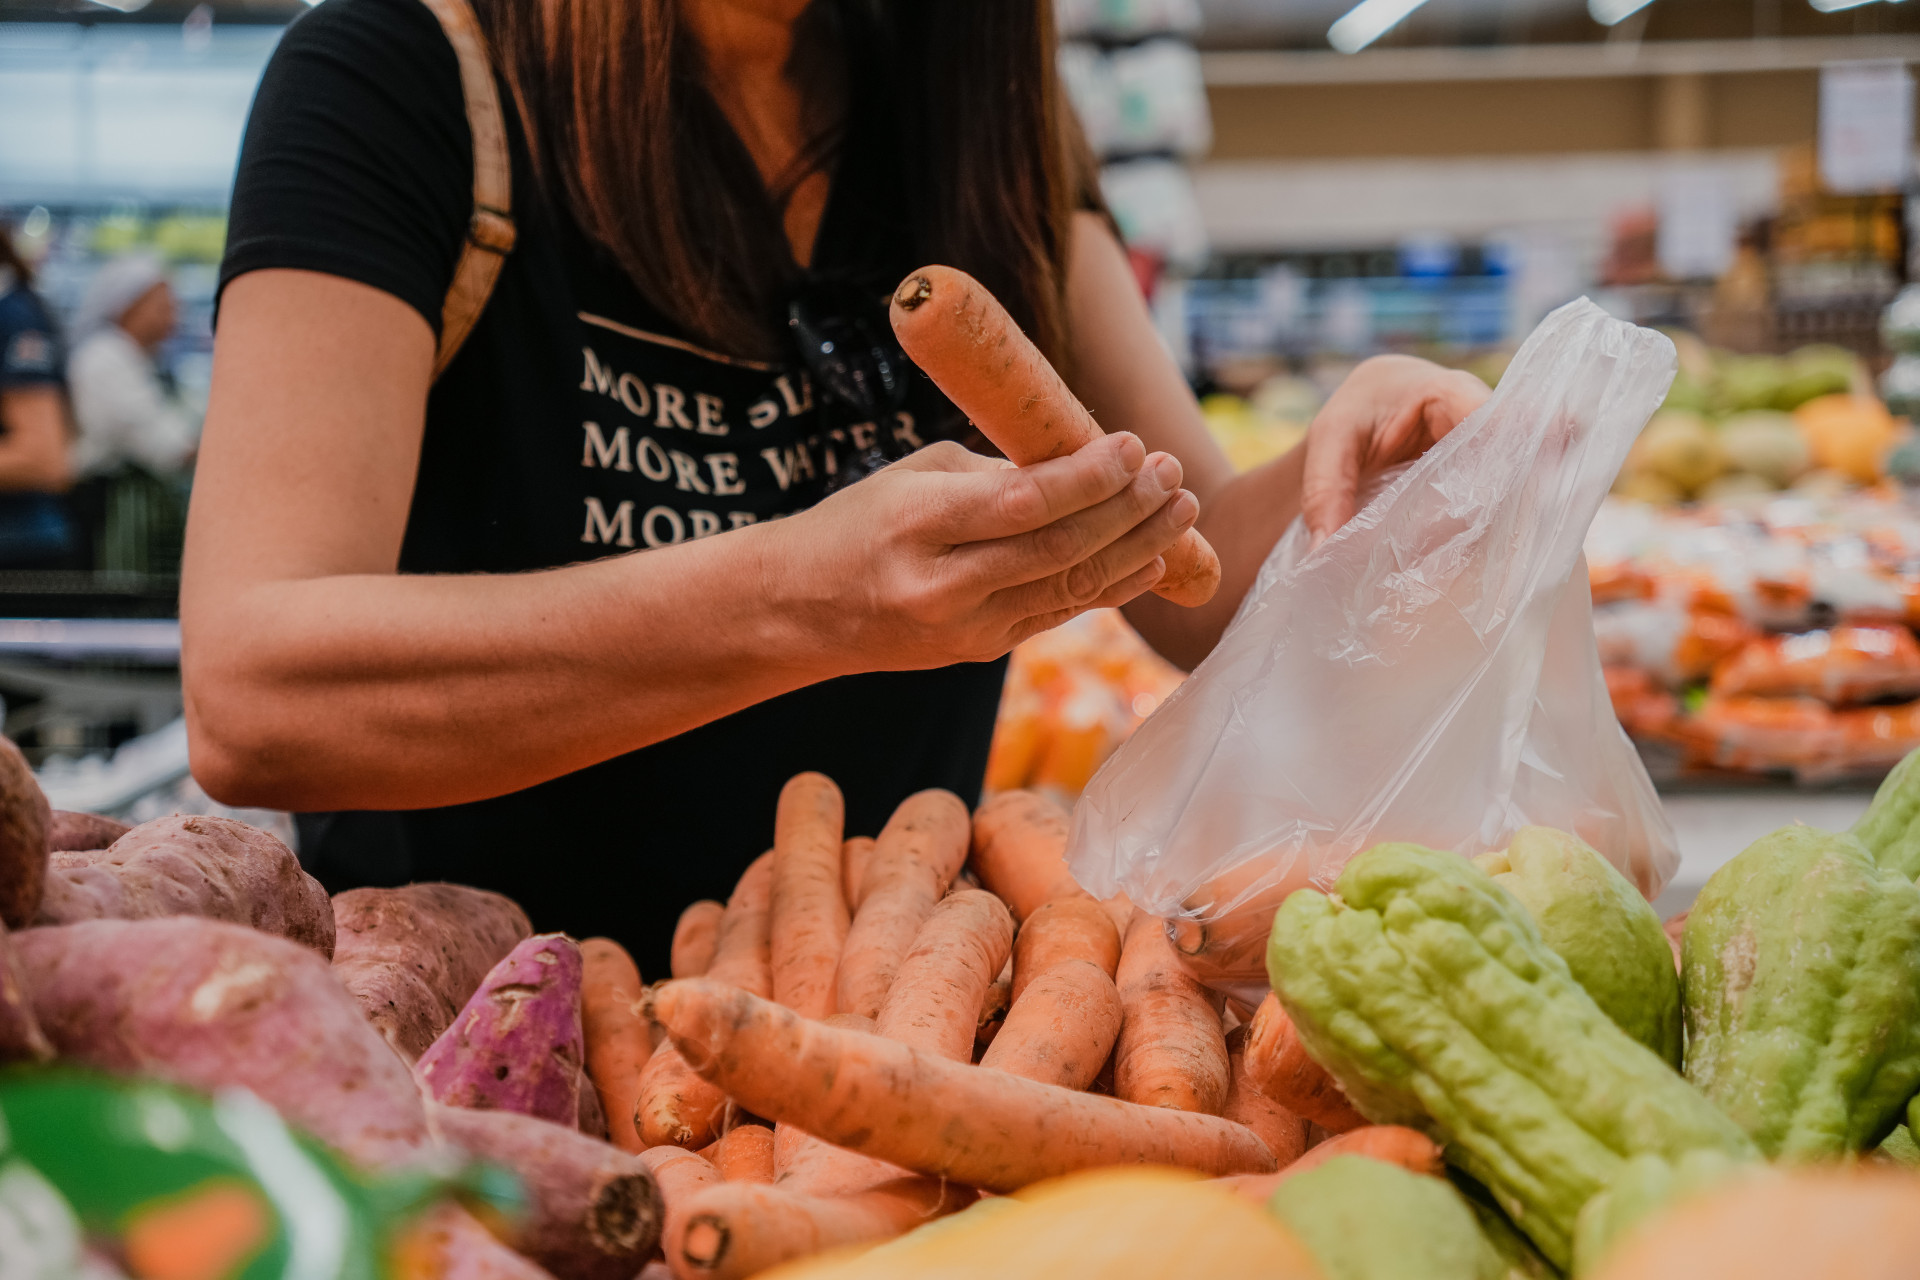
576, 422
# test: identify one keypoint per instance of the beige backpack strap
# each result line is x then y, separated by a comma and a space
490, 231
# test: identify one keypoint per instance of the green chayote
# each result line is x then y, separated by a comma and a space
1365, 1219
1890, 828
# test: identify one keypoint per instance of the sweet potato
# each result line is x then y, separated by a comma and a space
518, 1044
24, 817
20, 1036
192, 865
450, 1244
67, 830
207, 1004
593, 1211
412, 956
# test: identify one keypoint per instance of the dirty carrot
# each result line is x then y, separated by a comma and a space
1284, 1133
681, 1175
1278, 1066
934, 1003
964, 340
739, 1229
1409, 1148
809, 905
694, 938
1020, 851
975, 1126
916, 857
742, 947
1073, 928
1061, 1029
1171, 1051
854, 853
744, 1153
618, 1042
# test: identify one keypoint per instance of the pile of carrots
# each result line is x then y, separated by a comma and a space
872, 1032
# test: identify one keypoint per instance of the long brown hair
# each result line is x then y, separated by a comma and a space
10, 258
623, 131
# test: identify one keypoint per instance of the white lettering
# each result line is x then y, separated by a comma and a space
726, 473
796, 405
686, 473
617, 531
863, 434
763, 414
596, 378
673, 407
633, 394
789, 465
655, 514
903, 431
612, 455
707, 409
705, 523
653, 460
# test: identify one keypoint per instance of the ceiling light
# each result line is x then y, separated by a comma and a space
123, 6
1608, 12
1835, 6
1367, 21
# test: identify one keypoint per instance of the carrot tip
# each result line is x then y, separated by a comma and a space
913, 291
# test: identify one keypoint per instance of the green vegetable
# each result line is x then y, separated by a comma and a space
1890, 828
1645, 1186
1601, 926
1900, 1148
1427, 992
1365, 1219
1801, 966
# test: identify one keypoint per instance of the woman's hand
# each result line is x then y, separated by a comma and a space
1390, 410
947, 556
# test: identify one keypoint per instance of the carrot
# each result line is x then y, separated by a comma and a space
855, 852
993, 1009
1061, 1029
945, 1119
803, 1162
1076, 928
934, 1004
809, 906
694, 938
739, 1229
675, 1107
1284, 1133
744, 1153
1409, 1148
1020, 851
964, 340
681, 1176
1278, 1066
1171, 1052
618, 1043
919, 852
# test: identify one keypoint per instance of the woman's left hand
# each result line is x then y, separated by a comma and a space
1391, 409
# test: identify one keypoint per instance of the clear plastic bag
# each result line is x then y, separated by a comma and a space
1428, 674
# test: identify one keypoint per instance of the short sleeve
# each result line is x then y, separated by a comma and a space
357, 160
29, 348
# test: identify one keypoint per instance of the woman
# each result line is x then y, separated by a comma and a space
34, 530
704, 188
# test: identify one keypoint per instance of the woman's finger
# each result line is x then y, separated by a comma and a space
1129, 588
1078, 586
1068, 542
1007, 502
1330, 484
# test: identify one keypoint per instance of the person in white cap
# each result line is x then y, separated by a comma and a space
120, 403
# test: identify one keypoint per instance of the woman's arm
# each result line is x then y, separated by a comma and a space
1389, 410
317, 677
33, 446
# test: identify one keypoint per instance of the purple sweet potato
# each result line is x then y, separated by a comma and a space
24, 815
450, 1244
207, 1004
192, 865
517, 1045
67, 830
594, 1211
20, 1034
413, 956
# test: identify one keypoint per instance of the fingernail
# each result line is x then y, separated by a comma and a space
1167, 472
1185, 508
1132, 452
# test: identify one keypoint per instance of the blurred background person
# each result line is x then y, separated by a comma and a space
136, 438
35, 442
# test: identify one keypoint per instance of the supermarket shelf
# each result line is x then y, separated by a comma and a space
1600, 60
1713, 828
148, 640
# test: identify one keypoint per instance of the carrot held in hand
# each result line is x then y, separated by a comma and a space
1061, 1029
917, 856
694, 938
964, 340
1172, 1052
945, 1119
809, 906
618, 1042
934, 1003
1278, 1066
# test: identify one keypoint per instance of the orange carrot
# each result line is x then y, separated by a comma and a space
618, 1042
1075, 928
964, 340
1278, 1066
945, 1119
993, 1009
919, 852
934, 1003
744, 1153
739, 1229
694, 938
1284, 1133
1020, 851
1408, 1148
1061, 1029
1171, 1052
809, 906
855, 852
681, 1176
675, 1107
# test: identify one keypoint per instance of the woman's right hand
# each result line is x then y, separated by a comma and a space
947, 556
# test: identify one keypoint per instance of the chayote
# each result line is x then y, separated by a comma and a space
1366, 1219
1427, 992
1645, 1186
1900, 1148
1600, 925
1890, 828
1801, 968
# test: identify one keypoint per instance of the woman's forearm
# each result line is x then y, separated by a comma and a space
33, 446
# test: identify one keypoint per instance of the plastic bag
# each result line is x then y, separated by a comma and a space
1428, 674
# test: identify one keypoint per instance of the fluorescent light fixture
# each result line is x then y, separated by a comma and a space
1608, 12
1835, 6
1367, 21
